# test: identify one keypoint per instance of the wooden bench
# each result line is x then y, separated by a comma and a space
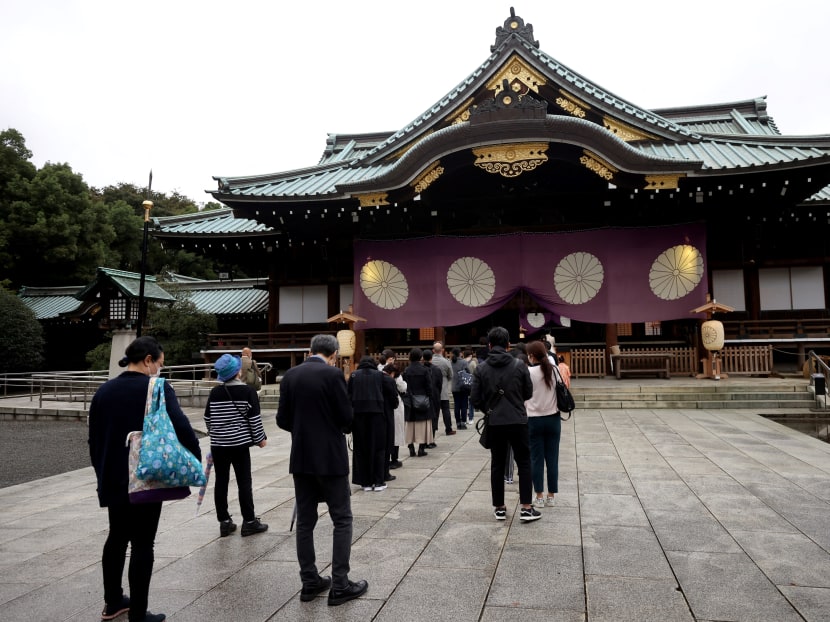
642, 363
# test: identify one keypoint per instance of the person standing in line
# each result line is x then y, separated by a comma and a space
460, 393
250, 370
118, 408
472, 363
418, 380
372, 394
501, 385
544, 424
565, 371
233, 420
435, 395
445, 366
314, 407
398, 418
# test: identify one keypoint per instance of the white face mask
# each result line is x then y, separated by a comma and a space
157, 373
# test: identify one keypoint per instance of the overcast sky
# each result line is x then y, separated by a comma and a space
197, 88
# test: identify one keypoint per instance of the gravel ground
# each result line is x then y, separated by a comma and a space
30, 450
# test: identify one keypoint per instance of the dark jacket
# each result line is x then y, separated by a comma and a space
437, 384
314, 406
371, 390
117, 409
419, 381
502, 370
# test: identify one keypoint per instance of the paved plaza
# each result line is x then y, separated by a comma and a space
662, 515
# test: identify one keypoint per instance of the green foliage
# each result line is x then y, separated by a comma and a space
21, 336
180, 329
99, 357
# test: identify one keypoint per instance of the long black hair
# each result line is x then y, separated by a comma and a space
540, 353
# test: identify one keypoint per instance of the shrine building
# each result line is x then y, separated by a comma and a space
532, 198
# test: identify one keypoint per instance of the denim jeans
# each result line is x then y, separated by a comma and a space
544, 435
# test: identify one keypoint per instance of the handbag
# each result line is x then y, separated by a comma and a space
564, 398
147, 491
156, 455
483, 424
465, 381
419, 403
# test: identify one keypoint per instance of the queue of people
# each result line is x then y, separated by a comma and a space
381, 408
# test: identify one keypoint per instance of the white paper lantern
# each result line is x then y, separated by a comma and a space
711, 334
346, 342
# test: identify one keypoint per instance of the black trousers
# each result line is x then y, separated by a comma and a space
309, 490
135, 524
240, 459
513, 436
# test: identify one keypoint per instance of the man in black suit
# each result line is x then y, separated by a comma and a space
314, 406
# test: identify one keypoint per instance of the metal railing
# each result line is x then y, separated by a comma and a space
80, 386
819, 370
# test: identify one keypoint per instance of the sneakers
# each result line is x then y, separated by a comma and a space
367, 489
226, 528
250, 527
508, 480
548, 502
310, 593
462, 426
111, 612
344, 595
379, 487
500, 513
539, 502
529, 514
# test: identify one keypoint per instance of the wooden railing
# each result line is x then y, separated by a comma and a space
587, 363
682, 363
747, 360
777, 329
262, 341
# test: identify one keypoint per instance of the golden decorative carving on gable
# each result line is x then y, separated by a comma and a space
594, 163
623, 131
423, 181
510, 160
663, 182
519, 75
572, 105
370, 199
464, 114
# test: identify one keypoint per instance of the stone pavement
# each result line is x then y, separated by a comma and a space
662, 515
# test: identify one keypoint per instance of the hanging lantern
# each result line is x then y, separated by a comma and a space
711, 334
346, 342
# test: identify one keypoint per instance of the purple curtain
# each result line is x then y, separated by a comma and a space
603, 276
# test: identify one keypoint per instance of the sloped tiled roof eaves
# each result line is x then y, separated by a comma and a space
553, 128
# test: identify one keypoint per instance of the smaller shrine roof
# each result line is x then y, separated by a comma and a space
212, 223
128, 283
231, 298
50, 302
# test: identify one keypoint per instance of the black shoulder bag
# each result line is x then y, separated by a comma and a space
564, 398
244, 415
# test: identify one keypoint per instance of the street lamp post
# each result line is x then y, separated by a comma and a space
142, 304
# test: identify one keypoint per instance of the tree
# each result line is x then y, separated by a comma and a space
21, 335
180, 329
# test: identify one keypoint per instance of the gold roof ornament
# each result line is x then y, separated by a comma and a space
594, 163
511, 160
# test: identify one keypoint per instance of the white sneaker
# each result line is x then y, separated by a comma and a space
379, 488
367, 489
539, 502
548, 502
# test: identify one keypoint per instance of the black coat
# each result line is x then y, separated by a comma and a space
419, 381
117, 409
502, 370
314, 406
